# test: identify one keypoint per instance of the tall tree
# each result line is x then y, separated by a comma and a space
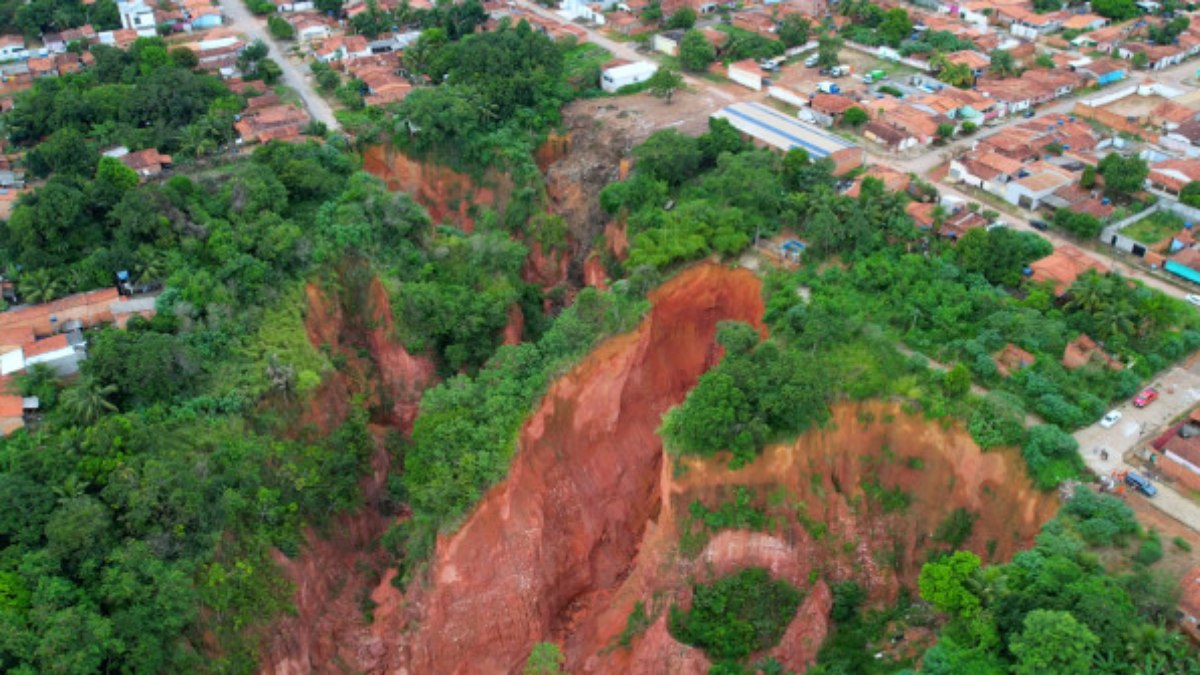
695, 51
1053, 642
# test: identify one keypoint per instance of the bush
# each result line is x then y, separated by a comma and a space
1051, 455
1150, 551
736, 615
956, 528
1100, 519
998, 420
1182, 544
280, 28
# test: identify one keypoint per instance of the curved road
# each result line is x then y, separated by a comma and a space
244, 22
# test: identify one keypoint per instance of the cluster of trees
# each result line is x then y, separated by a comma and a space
1054, 608
935, 41
490, 92
466, 434
873, 26
736, 616
34, 17
455, 19
147, 96
760, 391
156, 485
1123, 175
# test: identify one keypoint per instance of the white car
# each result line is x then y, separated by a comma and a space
1192, 298
1111, 419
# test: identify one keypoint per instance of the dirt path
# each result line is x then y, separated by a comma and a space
243, 21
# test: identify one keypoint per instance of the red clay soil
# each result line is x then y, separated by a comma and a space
445, 193
593, 272
822, 473
544, 549
546, 269
333, 572
585, 524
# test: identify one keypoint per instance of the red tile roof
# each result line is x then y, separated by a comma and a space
50, 344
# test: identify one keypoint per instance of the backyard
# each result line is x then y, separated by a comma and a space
1154, 228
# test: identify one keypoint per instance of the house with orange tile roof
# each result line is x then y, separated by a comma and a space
1083, 351
893, 180
1064, 266
1041, 180
276, 122
1189, 589
1172, 175
148, 163
1011, 359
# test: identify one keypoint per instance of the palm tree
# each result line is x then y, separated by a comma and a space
88, 401
1114, 319
40, 286
1089, 294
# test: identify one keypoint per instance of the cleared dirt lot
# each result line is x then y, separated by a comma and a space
1134, 106
638, 115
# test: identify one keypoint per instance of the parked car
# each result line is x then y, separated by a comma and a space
1039, 225
1028, 113
1110, 420
1148, 395
811, 62
1141, 484
1193, 298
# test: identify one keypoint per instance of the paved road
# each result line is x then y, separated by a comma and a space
244, 22
1179, 391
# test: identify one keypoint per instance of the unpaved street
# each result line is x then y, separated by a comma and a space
243, 21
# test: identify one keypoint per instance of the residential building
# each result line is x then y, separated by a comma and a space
294, 5
12, 48
747, 73
1063, 267
1084, 351
279, 122
667, 42
1011, 359
613, 79
1172, 175
148, 163
137, 15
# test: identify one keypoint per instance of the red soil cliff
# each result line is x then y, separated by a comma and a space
561, 531
332, 571
445, 193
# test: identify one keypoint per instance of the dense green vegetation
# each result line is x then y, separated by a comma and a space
32, 18
758, 392
467, 431
1054, 608
736, 616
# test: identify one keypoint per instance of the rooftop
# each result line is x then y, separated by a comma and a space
1064, 266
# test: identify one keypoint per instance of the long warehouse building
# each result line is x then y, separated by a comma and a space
778, 130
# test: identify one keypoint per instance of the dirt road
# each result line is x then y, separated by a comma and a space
244, 22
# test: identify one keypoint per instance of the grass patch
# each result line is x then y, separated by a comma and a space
1154, 228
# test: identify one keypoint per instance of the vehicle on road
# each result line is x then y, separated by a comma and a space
1148, 396
1141, 484
1039, 225
1193, 298
1109, 420
828, 88
1028, 113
